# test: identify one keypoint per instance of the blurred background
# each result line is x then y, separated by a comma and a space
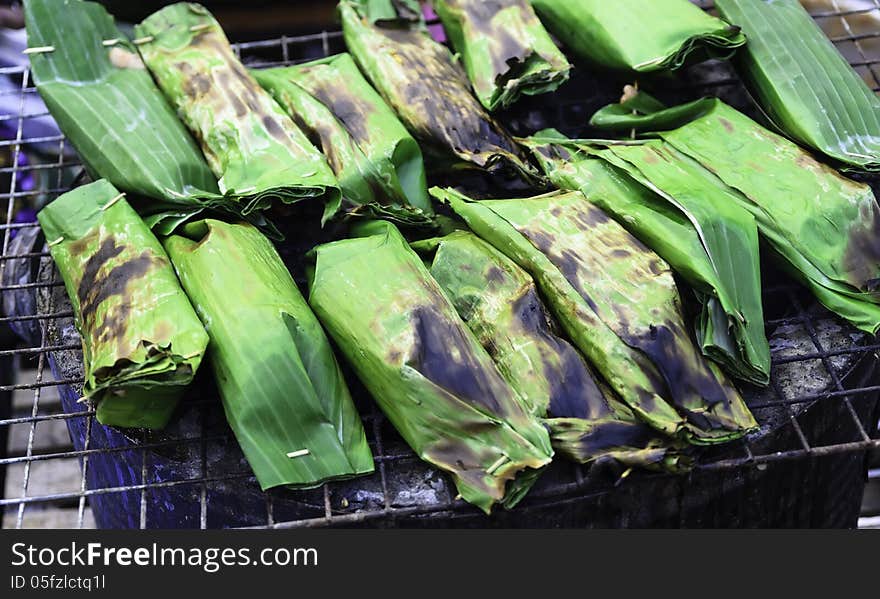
246, 21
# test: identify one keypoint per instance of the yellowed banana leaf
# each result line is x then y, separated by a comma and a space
690, 218
500, 304
430, 92
142, 341
505, 49
423, 366
377, 162
618, 303
824, 227
104, 100
257, 152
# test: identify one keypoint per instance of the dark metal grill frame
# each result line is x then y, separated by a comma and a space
288, 50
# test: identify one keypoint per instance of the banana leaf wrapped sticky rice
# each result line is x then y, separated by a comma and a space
430, 93
500, 304
505, 49
691, 219
824, 226
377, 162
108, 106
282, 389
423, 366
803, 84
253, 147
142, 342
618, 303
639, 35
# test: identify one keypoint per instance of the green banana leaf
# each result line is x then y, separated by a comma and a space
253, 147
430, 93
425, 369
824, 226
505, 49
108, 106
803, 84
691, 219
638, 35
500, 304
142, 342
282, 389
377, 162
617, 301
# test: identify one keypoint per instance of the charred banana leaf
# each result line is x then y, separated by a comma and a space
617, 301
637, 35
691, 219
108, 106
803, 83
505, 49
430, 93
253, 147
423, 366
825, 227
142, 342
377, 162
500, 304
282, 389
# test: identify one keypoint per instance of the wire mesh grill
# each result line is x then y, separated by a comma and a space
39, 167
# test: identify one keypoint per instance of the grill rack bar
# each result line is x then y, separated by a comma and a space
291, 51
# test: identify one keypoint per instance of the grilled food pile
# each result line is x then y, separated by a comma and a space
496, 333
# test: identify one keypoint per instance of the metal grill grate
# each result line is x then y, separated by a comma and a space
817, 361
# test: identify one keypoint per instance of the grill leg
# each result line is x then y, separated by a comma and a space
7, 374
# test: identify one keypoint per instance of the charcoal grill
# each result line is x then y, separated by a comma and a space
805, 467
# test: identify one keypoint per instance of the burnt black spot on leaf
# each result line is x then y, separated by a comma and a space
440, 108
573, 389
862, 256
274, 129
195, 85
566, 261
610, 435
555, 151
446, 356
685, 376
494, 274
351, 111
99, 284
234, 85
508, 49
588, 217
728, 126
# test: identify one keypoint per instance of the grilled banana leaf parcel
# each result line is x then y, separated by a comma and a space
377, 162
825, 227
505, 49
423, 366
803, 84
142, 342
691, 219
108, 106
639, 35
253, 147
282, 389
500, 304
430, 93
617, 301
